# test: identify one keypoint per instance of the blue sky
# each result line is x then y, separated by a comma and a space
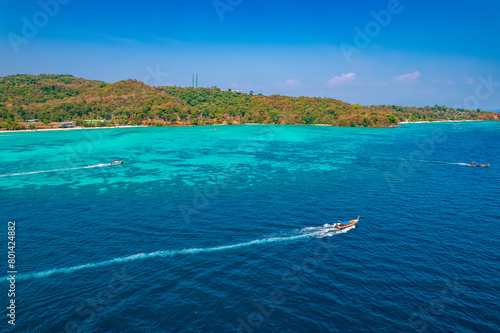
416, 52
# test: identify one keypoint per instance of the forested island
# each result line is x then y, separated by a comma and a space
89, 103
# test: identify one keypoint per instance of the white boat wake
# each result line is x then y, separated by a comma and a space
440, 162
325, 231
56, 170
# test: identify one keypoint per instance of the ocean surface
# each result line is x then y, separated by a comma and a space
225, 229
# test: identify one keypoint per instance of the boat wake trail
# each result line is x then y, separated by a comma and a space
57, 170
306, 233
440, 162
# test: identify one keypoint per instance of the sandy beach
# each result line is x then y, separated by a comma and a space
437, 121
70, 129
111, 127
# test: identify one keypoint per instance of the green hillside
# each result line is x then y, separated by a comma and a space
64, 97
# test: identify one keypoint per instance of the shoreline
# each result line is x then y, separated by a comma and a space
439, 121
138, 126
70, 129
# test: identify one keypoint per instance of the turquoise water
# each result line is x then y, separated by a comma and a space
222, 228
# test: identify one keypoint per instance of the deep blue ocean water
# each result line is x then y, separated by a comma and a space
222, 229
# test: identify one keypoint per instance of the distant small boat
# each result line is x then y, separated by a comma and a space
340, 226
117, 162
474, 164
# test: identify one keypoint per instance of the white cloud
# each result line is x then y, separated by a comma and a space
288, 83
292, 82
469, 80
342, 79
408, 78
445, 82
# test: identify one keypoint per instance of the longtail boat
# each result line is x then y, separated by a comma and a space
340, 226
474, 164
117, 162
